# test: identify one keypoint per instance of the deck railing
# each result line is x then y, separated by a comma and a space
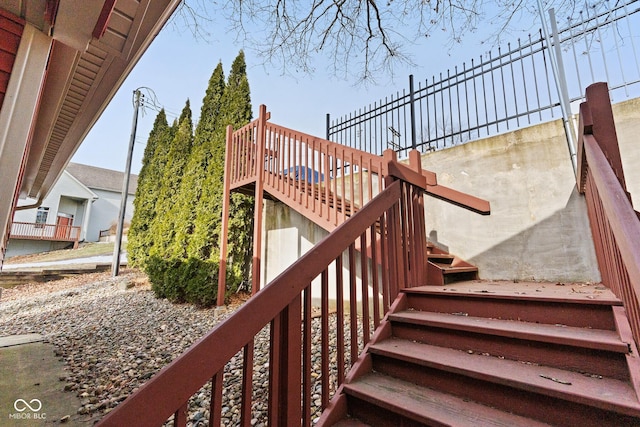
615, 225
52, 232
327, 181
284, 306
324, 181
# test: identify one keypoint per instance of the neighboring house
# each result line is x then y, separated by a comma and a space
107, 185
83, 202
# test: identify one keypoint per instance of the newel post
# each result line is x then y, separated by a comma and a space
226, 201
603, 127
419, 229
394, 234
259, 201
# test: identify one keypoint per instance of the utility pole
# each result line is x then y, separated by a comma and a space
115, 266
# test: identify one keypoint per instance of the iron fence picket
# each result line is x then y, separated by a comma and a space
511, 89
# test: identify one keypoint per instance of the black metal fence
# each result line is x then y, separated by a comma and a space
503, 90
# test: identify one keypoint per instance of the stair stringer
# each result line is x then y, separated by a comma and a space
435, 274
337, 408
327, 222
633, 358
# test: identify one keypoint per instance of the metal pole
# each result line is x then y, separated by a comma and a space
328, 125
115, 266
561, 82
564, 91
412, 109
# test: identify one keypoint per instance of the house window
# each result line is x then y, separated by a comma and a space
41, 215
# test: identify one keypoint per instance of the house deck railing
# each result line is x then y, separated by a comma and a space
615, 225
51, 232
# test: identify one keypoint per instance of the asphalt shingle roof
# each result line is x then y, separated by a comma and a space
102, 179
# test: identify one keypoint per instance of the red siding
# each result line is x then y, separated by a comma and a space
11, 28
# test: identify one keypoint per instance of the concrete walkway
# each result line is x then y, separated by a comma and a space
101, 259
31, 392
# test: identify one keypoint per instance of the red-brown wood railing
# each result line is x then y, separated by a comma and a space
615, 225
53, 232
325, 181
284, 305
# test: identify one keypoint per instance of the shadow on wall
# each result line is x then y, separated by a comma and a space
558, 256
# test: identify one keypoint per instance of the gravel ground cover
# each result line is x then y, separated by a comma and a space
113, 340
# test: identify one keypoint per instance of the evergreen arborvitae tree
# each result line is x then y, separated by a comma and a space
237, 112
181, 256
163, 230
191, 189
149, 182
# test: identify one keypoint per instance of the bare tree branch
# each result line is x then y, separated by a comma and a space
362, 38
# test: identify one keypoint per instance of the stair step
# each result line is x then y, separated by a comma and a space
596, 339
442, 273
532, 302
448, 269
594, 351
445, 258
427, 406
530, 291
604, 393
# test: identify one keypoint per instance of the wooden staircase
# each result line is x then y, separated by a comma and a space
484, 354
444, 268
461, 353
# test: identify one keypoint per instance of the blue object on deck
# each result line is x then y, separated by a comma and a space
306, 174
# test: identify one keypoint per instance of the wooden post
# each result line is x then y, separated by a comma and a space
419, 226
259, 202
226, 202
604, 128
285, 367
394, 247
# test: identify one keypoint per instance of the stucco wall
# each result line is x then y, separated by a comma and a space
538, 228
627, 118
286, 236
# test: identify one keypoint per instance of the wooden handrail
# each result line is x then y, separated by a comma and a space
167, 392
615, 227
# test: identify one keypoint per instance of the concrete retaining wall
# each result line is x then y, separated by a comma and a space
538, 228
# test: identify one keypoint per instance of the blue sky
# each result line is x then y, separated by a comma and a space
177, 66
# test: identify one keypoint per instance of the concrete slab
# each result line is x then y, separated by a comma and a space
11, 340
31, 393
